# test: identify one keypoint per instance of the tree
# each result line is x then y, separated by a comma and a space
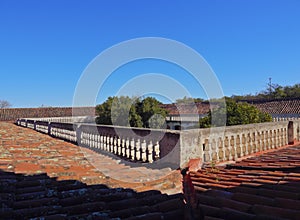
236, 114
126, 111
4, 104
273, 92
118, 111
188, 100
151, 112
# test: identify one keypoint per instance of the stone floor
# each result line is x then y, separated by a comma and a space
25, 151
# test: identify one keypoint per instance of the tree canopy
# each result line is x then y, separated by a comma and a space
236, 114
272, 92
126, 111
188, 100
4, 104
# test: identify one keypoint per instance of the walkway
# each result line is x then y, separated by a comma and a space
26, 151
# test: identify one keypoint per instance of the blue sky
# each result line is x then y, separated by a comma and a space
46, 45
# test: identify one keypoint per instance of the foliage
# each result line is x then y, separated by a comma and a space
4, 104
126, 111
188, 100
273, 92
118, 111
153, 115
236, 114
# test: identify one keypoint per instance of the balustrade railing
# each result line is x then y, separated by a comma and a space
133, 144
150, 145
239, 141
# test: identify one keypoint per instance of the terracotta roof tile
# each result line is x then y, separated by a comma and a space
266, 186
262, 187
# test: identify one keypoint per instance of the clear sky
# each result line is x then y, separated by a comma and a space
46, 45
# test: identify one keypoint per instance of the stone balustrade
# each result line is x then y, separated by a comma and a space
134, 144
176, 147
278, 118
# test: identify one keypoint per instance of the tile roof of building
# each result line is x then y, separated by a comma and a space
194, 108
41, 197
271, 107
45, 178
261, 187
280, 107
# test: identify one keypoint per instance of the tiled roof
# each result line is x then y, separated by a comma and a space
46, 178
195, 108
271, 107
281, 160
41, 197
262, 187
280, 107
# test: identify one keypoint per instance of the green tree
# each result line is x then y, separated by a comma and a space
188, 100
151, 112
126, 111
118, 111
236, 114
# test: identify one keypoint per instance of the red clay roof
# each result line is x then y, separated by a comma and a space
46, 178
271, 107
42, 177
280, 107
262, 187
195, 108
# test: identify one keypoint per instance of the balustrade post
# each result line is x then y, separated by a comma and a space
150, 152
115, 145
101, 142
111, 144
230, 156
132, 149
206, 151
119, 146
127, 148
78, 134
156, 150
235, 156
144, 147
104, 142
240, 145
138, 149
123, 147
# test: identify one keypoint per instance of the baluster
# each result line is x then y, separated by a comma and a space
127, 148
143, 148
123, 146
150, 152
119, 146
111, 144
132, 147
240, 146
98, 141
138, 149
234, 148
271, 140
115, 145
101, 142
104, 143
156, 151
